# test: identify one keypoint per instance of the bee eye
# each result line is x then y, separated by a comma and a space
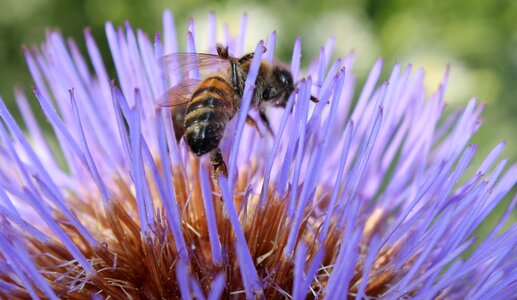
266, 93
283, 78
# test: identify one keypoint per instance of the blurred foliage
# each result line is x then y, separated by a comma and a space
478, 39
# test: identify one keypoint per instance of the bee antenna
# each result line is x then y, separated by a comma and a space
296, 89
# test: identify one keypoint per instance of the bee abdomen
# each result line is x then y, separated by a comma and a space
207, 114
213, 92
204, 136
208, 97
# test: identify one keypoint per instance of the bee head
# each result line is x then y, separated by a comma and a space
280, 87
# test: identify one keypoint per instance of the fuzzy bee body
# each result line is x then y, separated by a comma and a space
202, 109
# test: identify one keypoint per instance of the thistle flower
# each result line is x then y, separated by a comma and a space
351, 198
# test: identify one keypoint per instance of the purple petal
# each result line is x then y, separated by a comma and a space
215, 244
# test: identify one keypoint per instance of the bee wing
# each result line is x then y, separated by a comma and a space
184, 62
178, 94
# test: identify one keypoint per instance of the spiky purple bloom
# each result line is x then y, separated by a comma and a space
365, 198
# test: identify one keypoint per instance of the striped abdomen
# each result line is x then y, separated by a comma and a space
209, 110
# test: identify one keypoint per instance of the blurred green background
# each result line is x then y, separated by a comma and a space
477, 38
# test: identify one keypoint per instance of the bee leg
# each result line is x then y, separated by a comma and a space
251, 122
249, 56
222, 51
246, 58
217, 162
264, 119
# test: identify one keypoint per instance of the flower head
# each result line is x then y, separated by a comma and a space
365, 198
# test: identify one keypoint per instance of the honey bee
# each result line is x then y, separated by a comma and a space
203, 108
